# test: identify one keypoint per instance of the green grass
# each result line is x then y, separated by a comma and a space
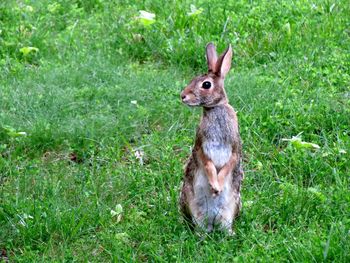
94, 97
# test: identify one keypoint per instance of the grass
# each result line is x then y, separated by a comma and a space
91, 108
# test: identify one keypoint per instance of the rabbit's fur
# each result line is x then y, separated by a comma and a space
211, 186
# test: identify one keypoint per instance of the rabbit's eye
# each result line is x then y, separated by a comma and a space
206, 85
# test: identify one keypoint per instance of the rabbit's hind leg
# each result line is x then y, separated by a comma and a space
204, 223
225, 224
227, 215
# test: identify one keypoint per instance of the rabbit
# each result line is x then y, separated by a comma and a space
210, 194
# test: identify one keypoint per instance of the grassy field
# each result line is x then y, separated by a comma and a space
93, 136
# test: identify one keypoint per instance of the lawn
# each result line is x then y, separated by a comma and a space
93, 135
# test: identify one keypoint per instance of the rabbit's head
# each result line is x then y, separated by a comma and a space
208, 90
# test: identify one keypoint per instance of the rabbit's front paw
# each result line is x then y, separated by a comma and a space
215, 189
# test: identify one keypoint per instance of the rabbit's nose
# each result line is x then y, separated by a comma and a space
183, 96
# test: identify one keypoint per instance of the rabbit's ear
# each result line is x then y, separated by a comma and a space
212, 57
223, 64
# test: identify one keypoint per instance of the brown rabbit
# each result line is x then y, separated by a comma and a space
211, 186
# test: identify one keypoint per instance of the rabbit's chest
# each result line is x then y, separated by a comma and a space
218, 152
217, 133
